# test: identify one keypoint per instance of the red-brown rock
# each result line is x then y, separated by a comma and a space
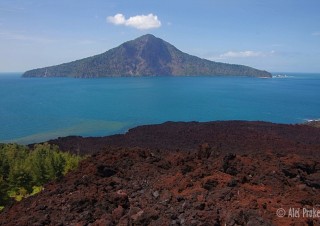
233, 173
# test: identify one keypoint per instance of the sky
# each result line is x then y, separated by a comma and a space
273, 35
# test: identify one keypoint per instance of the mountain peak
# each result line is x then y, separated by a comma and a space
144, 56
147, 36
144, 39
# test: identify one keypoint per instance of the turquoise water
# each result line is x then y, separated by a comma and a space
33, 110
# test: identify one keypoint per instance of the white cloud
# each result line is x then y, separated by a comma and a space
141, 22
317, 33
11, 9
117, 19
243, 54
8, 35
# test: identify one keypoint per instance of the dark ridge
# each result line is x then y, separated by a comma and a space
228, 136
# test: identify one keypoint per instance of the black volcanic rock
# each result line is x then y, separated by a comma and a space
225, 136
144, 56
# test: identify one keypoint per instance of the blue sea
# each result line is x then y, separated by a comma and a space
38, 109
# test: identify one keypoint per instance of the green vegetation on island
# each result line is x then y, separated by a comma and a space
145, 56
23, 171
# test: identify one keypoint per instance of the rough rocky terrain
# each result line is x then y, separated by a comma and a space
217, 173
